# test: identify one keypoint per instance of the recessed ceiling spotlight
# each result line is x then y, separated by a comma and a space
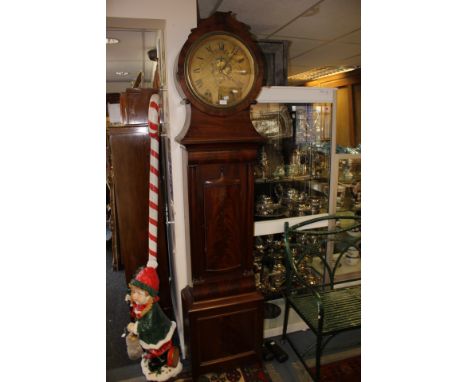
111, 40
122, 73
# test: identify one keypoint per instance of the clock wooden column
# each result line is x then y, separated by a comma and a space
220, 71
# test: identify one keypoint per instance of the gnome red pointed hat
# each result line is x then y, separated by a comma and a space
148, 280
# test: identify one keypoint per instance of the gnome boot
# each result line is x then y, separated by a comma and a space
156, 363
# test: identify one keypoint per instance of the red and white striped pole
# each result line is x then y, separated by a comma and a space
153, 130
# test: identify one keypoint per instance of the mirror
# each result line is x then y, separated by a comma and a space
127, 56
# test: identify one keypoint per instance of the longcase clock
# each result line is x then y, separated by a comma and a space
220, 70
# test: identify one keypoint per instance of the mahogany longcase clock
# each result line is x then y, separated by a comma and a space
220, 70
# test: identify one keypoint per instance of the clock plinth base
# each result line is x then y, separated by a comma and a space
223, 332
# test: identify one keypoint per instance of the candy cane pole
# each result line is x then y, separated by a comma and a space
153, 130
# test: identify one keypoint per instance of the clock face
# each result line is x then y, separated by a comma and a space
220, 70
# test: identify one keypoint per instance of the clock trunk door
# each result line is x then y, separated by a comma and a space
218, 221
222, 211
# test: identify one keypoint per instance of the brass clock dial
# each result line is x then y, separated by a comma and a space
220, 70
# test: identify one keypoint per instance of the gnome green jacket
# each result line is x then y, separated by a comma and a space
154, 326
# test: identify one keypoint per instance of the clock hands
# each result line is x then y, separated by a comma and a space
221, 68
220, 72
229, 77
234, 51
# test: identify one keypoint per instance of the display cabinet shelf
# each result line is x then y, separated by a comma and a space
301, 178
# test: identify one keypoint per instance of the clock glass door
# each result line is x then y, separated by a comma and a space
220, 70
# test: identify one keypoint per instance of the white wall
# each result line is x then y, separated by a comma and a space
180, 17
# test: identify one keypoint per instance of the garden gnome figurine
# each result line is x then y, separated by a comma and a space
159, 357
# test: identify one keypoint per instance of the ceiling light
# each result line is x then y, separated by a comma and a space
321, 72
111, 40
122, 73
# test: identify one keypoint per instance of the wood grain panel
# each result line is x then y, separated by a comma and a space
230, 333
223, 220
220, 221
225, 332
343, 117
348, 123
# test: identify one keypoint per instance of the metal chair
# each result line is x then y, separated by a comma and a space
314, 251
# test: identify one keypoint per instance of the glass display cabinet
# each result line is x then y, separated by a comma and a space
346, 200
293, 172
347, 178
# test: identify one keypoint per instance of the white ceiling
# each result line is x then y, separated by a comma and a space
322, 33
